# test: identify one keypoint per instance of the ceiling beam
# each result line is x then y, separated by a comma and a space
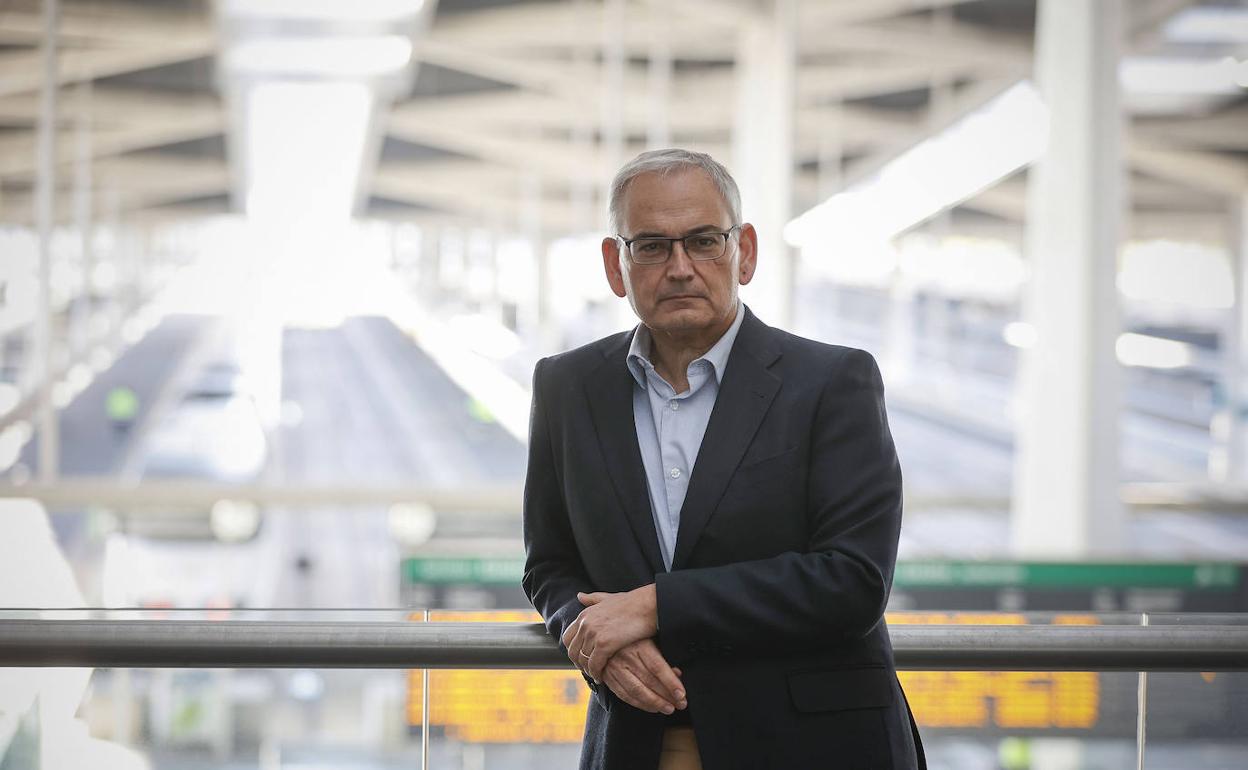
1202, 170
1226, 130
20, 72
17, 155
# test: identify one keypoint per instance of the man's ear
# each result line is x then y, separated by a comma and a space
611, 264
747, 246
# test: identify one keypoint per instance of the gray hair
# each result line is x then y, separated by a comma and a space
665, 162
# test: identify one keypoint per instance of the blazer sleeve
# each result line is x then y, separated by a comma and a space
838, 588
553, 571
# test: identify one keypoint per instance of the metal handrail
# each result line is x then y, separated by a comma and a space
163, 498
339, 644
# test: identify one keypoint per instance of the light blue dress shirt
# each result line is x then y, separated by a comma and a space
670, 425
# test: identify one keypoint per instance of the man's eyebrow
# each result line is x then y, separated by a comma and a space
694, 231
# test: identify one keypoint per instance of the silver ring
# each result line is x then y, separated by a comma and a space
583, 654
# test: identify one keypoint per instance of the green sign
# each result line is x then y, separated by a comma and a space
1005, 574
1220, 576
468, 570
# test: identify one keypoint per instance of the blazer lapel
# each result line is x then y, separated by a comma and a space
610, 392
744, 397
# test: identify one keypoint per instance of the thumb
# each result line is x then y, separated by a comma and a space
588, 600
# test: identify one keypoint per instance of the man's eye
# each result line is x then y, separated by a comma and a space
704, 242
646, 247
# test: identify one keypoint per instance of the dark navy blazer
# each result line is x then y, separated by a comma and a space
773, 608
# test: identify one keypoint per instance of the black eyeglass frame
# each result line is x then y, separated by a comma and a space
628, 245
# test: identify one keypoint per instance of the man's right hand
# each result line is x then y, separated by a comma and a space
639, 675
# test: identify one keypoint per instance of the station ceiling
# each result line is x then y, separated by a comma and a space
506, 101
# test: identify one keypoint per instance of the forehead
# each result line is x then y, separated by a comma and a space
675, 201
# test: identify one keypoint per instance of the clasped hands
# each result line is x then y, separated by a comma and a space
612, 641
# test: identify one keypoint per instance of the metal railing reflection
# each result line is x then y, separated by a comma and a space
32, 642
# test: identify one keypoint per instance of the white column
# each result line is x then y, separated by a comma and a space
830, 174
937, 323
1229, 458
829, 179
612, 94
83, 183
899, 332
1066, 485
430, 269
544, 325
45, 220
762, 142
118, 308
495, 293
659, 80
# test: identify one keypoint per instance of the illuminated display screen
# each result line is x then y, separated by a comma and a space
489, 706
521, 706
497, 706
1010, 700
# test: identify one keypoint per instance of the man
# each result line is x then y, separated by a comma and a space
712, 508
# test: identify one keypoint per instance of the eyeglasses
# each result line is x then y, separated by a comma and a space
703, 247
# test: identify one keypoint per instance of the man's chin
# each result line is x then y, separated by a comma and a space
680, 320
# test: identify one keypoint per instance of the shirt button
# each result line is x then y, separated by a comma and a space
674, 404
675, 473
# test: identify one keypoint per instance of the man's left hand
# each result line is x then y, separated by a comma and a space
609, 622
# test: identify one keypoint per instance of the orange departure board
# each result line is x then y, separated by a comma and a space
520, 706
1009, 700
498, 706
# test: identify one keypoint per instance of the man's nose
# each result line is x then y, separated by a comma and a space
679, 264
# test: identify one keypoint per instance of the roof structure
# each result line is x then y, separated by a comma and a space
510, 104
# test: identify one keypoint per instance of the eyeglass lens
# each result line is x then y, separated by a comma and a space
697, 246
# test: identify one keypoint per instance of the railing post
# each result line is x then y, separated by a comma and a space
424, 714
1141, 709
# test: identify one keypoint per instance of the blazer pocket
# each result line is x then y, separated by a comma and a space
841, 689
777, 459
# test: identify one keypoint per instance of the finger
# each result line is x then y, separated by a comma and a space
590, 600
632, 691
665, 679
574, 652
569, 641
599, 656
595, 667
653, 684
570, 632
581, 638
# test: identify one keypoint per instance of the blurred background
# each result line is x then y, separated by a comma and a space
274, 275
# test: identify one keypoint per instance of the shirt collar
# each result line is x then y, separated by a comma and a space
639, 350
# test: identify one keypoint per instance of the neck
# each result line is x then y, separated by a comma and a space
672, 352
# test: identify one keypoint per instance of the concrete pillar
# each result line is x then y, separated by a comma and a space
899, 331
815, 318
80, 323
1229, 459
1066, 480
45, 220
612, 95
659, 80
830, 173
118, 309
938, 319
494, 241
543, 322
762, 160
430, 263
583, 194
